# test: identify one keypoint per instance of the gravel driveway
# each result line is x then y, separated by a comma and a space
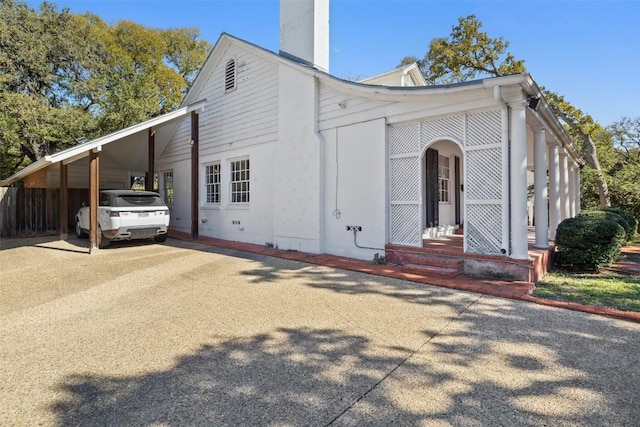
184, 334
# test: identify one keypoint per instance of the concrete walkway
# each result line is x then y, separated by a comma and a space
190, 334
513, 290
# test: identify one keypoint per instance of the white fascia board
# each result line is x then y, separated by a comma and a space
33, 167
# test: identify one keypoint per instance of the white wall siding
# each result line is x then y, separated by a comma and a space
242, 123
242, 117
340, 109
252, 222
355, 189
181, 210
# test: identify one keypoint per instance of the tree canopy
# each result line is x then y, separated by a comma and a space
64, 76
466, 54
612, 154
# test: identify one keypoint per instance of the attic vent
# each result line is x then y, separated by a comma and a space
230, 76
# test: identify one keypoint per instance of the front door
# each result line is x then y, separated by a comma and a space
431, 185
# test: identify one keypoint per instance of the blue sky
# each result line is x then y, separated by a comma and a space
588, 51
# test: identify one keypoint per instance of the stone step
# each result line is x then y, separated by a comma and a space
432, 260
426, 270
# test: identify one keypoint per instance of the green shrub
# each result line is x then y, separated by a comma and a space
610, 216
629, 218
588, 242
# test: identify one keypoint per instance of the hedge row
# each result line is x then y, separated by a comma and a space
592, 240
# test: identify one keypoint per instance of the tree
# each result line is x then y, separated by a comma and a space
626, 137
467, 54
65, 75
35, 48
625, 172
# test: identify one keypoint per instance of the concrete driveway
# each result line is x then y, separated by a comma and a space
184, 334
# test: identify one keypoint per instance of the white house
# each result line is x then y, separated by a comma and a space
285, 154
292, 156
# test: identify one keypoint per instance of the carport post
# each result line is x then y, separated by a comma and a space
94, 175
194, 174
64, 202
148, 181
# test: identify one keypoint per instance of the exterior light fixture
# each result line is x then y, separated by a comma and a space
534, 103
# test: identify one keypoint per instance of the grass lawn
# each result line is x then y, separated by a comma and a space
615, 290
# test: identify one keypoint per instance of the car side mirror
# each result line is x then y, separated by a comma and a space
84, 204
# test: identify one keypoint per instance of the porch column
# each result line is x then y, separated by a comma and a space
572, 190
564, 187
94, 180
195, 164
64, 202
518, 178
541, 212
578, 191
554, 190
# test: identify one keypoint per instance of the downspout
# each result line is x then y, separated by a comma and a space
506, 188
321, 169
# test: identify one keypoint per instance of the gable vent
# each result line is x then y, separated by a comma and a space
230, 76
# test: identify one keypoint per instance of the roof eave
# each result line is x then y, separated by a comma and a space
82, 150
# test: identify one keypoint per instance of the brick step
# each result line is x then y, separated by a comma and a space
426, 270
435, 261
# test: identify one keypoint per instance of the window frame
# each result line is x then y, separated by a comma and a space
444, 179
214, 185
169, 200
238, 177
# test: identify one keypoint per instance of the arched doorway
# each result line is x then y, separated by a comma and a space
442, 189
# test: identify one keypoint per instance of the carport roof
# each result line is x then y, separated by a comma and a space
82, 150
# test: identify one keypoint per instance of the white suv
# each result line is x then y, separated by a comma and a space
127, 215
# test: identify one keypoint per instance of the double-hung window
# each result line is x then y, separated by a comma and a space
239, 189
167, 188
443, 178
212, 183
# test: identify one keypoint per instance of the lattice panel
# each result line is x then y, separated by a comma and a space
484, 128
405, 139
452, 127
484, 174
483, 228
405, 225
405, 179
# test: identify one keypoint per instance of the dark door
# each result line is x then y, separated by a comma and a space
456, 182
432, 205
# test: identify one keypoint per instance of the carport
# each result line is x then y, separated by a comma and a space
132, 149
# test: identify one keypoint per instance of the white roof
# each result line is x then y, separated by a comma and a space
82, 150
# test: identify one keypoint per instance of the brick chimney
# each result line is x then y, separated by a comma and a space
304, 31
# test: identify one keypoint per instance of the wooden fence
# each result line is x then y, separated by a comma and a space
36, 211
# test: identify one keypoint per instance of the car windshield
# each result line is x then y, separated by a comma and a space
138, 200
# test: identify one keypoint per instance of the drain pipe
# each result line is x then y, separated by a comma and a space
355, 242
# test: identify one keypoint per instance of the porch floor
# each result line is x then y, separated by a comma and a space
453, 244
